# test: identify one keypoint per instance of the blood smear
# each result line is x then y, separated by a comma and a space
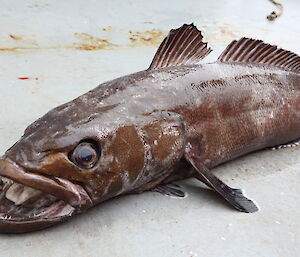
23, 78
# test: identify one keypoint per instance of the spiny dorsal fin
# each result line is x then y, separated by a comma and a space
182, 46
248, 50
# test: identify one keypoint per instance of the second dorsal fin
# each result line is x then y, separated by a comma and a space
182, 46
247, 50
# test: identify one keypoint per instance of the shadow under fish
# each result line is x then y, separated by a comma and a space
175, 120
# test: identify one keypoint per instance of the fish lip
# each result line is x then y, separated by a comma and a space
72, 196
29, 225
63, 189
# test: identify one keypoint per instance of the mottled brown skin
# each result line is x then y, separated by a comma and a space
245, 123
143, 123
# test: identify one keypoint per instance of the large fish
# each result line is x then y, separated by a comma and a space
147, 129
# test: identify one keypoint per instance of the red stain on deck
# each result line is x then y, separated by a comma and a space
15, 37
24, 78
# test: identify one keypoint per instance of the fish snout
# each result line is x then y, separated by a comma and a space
30, 201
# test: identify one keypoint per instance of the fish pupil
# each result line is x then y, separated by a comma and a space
86, 155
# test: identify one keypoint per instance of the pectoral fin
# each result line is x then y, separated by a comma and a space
234, 196
170, 190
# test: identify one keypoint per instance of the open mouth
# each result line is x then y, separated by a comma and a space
30, 202
19, 203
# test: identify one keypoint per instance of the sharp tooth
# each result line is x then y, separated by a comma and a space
5, 180
19, 194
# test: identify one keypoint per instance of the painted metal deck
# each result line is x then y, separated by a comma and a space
53, 51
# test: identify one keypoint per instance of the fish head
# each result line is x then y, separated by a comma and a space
68, 161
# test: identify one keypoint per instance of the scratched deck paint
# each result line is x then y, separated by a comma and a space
167, 227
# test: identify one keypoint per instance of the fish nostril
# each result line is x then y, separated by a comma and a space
24, 153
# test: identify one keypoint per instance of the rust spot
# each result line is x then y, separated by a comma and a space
146, 38
226, 30
33, 47
89, 42
8, 49
220, 32
109, 28
137, 38
23, 78
15, 37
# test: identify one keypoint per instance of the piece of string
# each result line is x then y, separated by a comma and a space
273, 15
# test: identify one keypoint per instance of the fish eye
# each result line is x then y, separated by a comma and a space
86, 154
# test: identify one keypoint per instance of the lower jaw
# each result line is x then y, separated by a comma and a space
30, 202
26, 226
24, 209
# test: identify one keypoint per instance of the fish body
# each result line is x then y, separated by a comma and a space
143, 130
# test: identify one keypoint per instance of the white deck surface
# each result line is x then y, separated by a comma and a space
59, 46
